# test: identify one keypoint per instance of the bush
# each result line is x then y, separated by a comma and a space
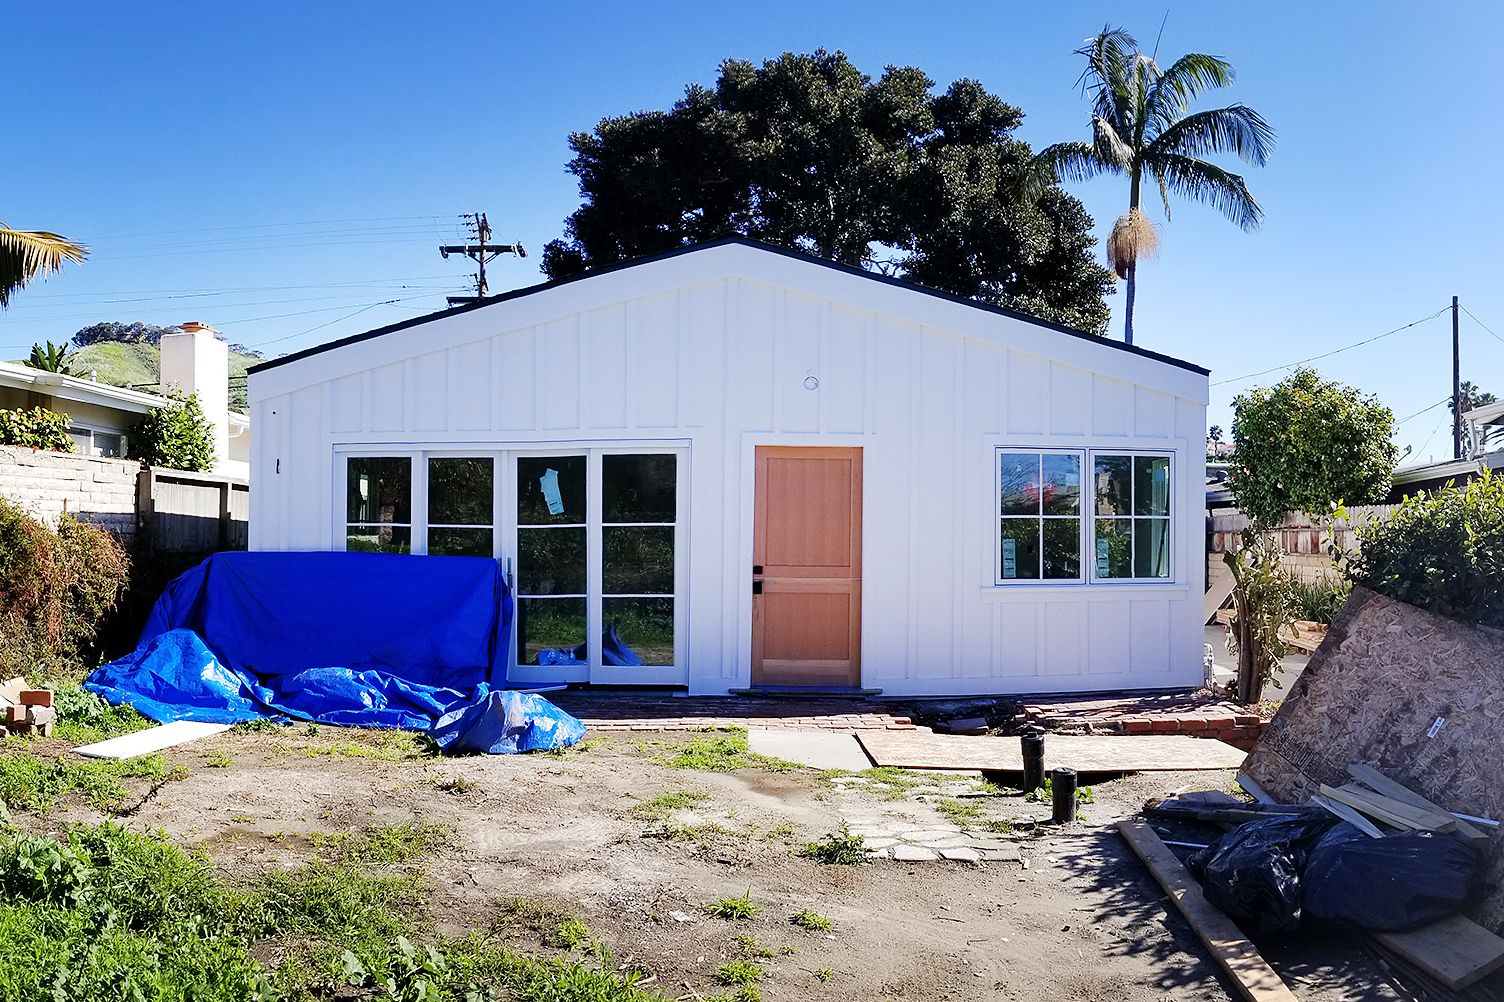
37, 428
1442, 552
1318, 601
176, 436
54, 588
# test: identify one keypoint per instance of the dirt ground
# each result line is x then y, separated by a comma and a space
1075, 917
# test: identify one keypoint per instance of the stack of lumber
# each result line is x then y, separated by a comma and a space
1302, 635
24, 710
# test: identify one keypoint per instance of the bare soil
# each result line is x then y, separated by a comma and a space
1082, 920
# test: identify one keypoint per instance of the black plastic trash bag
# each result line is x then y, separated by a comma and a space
1388, 884
1253, 874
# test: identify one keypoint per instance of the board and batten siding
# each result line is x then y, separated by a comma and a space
731, 348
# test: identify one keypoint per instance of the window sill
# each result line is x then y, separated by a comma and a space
1078, 591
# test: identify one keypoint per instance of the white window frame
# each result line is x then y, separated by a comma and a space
1087, 533
77, 427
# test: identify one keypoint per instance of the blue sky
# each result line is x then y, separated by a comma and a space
272, 169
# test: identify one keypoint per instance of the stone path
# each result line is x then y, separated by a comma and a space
889, 838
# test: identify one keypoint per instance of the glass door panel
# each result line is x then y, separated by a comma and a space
461, 500
638, 513
552, 562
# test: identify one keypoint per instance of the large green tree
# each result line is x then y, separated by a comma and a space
26, 255
1142, 126
807, 152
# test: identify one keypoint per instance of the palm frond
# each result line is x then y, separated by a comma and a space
1187, 78
1235, 129
1109, 58
1108, 147
1205, 182
1073, 162
26, 255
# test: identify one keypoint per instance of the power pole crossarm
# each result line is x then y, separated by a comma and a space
481, 252
471, 251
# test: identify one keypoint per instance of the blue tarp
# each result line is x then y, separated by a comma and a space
344, 638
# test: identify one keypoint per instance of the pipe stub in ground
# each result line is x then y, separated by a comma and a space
1033, 751
1063, 788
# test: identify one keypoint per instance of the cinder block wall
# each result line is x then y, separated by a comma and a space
91, 488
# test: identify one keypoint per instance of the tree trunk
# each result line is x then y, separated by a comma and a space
1128, 311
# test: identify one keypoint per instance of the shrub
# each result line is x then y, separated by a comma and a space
54, 587
37, 428
1443, 552
1318, 601
176, 436
840, 848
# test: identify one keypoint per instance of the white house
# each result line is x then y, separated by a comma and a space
734, 466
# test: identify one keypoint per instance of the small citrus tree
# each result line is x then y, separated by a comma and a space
1304, 444
177, 436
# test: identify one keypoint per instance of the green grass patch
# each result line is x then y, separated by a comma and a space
734, 908
261, 725
738, 972
839, 848
963, 813
217, 760
568, 934
893, 783
380, 844
384, 744
663, 805
726, 752
32, 784
810, 920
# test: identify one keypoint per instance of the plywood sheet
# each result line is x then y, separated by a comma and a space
921, 749
1374, 693
152, 739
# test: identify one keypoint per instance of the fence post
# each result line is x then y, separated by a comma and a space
146, 508
224, 514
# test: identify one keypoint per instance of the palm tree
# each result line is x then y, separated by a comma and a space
1141, 125
26, 255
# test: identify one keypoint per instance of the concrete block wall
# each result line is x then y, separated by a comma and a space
92, 488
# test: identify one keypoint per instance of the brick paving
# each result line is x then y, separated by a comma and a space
1183, 713
656, 711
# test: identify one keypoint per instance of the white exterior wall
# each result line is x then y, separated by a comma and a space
713, 349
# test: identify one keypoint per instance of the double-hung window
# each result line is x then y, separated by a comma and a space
1083, 515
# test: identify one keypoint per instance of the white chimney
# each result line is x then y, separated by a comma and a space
197, 362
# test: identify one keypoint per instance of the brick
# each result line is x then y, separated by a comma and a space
1245, 719
35, 697
15, 715
1137, 725
1165, 725
1192, 723
1220, 721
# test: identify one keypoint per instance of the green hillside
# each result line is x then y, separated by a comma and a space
137, 366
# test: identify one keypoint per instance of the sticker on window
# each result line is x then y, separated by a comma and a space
549, 483
1010, 558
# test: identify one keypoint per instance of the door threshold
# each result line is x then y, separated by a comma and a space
803, 691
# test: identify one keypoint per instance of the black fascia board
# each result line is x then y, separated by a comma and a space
721, 242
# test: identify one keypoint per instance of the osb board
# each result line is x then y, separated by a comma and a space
921, 749
1373, 693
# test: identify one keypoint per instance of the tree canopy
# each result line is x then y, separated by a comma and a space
1305, 444
115, 330
807, 152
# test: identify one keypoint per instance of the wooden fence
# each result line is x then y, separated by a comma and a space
177, 510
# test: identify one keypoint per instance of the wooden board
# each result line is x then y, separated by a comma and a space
151, 739
1391, 812
1456, 951
1255, 979
1349, 815
1376, 780
1373, 694
921, 749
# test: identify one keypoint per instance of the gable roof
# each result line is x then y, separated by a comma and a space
722, 242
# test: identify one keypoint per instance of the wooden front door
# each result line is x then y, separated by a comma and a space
807, 567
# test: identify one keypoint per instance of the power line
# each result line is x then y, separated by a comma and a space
1335, 351
1443, 400
1480, 323
262, 344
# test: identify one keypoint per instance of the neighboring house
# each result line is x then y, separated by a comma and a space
100, 416
734, 466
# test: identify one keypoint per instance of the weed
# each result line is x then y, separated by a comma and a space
752, 947
386, 744
31, 784
243, 819
568, 934
724, 753
217, 760
824, 974
1046, 794
578, 747
380, 844
807, 919
83, 718
457, 785
960, 813
840, 848
312, 730
893, 783
734, 908
998, 826
260, 725
662, 806
738, 972
787, 831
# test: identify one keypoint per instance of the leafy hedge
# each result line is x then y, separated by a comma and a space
176, 436
37, 428
1443, 552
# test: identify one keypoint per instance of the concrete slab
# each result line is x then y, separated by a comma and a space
152, 739
1085, 753
812, 748
913, 854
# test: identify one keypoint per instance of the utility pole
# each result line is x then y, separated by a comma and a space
1456, 387
481, 253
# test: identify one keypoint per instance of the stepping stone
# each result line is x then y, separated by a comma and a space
929, 834
961, 854
913, 854
880, 842
879, 854
990, 843
999, 855
954, 842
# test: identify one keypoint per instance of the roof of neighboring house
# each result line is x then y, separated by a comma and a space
722, 242
87, 391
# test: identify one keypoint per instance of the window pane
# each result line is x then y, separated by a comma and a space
551, 631
551, 490
1062, 547
106, 444
1060, 486
1151, 550
638, 560
1020, 542
459, 542
638, 631
379, 539
1114, 545
1113, 485
1151, 485
638, 488
460, 492
1020, 483
379, 490
550, 561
